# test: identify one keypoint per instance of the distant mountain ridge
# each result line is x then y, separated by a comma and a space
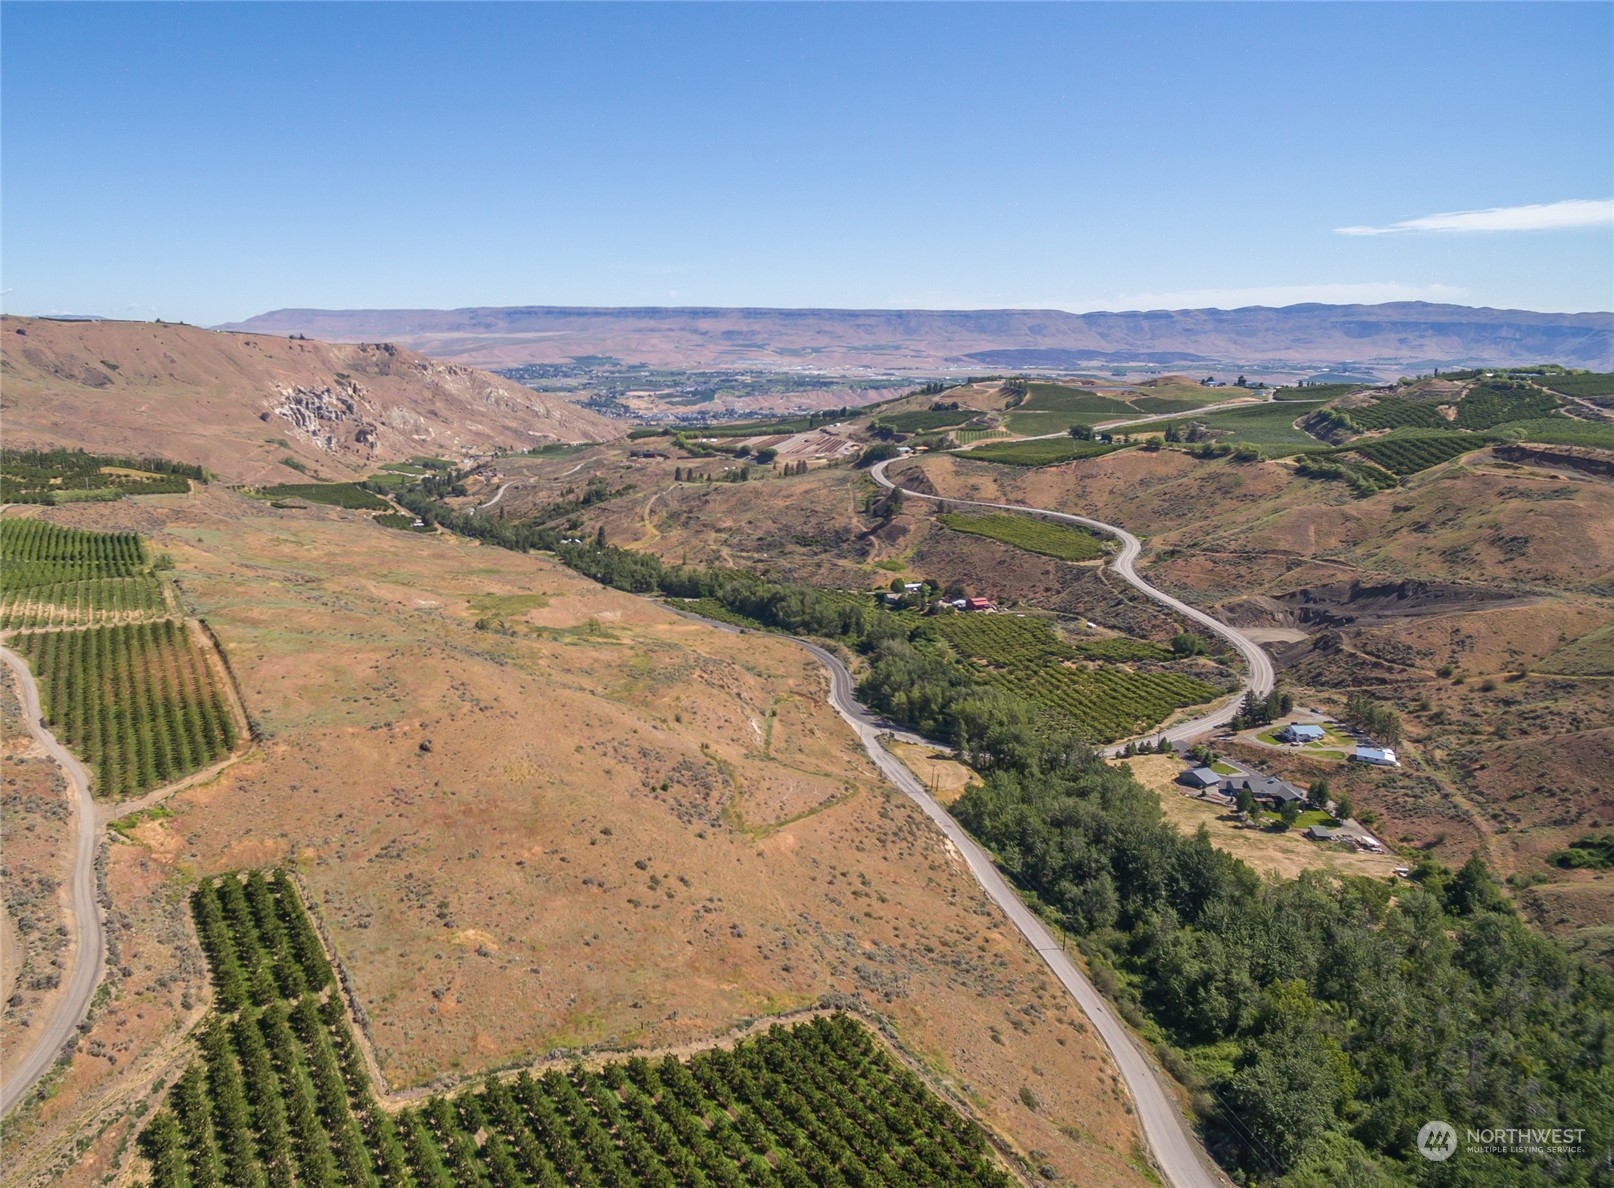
1391, 335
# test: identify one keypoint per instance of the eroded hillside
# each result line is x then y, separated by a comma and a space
242, 404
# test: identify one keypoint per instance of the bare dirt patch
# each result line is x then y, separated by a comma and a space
944, 775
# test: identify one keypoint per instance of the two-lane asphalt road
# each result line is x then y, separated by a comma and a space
84, 921
1260, 676
1181, 1158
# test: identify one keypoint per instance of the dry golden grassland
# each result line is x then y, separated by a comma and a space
595, 825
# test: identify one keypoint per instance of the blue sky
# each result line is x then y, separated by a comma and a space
209, 162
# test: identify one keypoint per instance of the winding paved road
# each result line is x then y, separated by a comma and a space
1260, 677
1181, 1158
84, 923
1179, 1154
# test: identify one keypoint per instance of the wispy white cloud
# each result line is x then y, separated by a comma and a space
1545, 216
1365, 293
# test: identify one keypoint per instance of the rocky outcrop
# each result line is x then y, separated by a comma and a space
327, 418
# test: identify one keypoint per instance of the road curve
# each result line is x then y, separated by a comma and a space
1260, 676
1181, 1158
498, 496
84, 923
1179, 1155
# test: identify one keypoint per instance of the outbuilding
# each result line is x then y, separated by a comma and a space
1199, 777
1378, 756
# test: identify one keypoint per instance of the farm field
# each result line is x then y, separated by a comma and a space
1270, 426
1314, 392
967, 436
335, 494
1561, 430
138, 701
1102, 704
83, 604
37, 553
122, 683
1415, 452
923, 420
1030, 533
1587, 386
69, 476
1041, 453
1482, 407
281, 1093
1054, 408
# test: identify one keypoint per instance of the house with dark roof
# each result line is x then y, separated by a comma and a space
1267, 790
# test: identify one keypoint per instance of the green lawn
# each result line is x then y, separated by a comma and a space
1221, 768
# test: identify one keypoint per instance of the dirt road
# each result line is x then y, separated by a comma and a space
87, 935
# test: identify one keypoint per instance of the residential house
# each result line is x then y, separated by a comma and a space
1300, 734
1267, 790
978, 604
1378, 756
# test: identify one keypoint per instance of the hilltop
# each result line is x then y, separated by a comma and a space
1389, 336
242, 404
